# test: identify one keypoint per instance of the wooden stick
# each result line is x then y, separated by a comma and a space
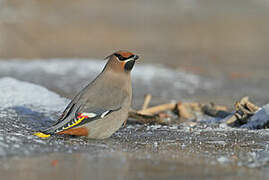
231, 120
215, 111
146, 101
243, 110
185, 111
157, 109
135, 117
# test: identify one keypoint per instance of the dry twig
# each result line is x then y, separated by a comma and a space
244, 109
146, 101
157, 109
215, 111
150, 115
145, 119
188, 110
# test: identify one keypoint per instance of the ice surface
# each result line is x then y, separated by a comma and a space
25, 107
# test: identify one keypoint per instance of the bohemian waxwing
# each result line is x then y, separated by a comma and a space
101, 108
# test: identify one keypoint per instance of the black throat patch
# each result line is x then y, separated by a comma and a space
129, 65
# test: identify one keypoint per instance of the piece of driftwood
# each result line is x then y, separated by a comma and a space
191, 110
215, 111
188, 110
246, 114
135, 117
157, 109
152, 115
146, 101
244, 109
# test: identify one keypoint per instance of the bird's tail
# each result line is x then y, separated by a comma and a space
51, 130
46, 133
41, 135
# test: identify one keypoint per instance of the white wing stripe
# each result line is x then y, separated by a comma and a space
90, 115
104, 114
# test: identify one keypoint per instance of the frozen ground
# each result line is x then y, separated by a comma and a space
137, 151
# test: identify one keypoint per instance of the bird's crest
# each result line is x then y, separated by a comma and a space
122, 55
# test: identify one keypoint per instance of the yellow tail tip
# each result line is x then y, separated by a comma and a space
42, 135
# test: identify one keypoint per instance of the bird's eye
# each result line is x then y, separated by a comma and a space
131, 56
120, 57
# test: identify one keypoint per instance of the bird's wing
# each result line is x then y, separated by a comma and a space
68, 113
80, 112
88, 106
70, 108
79, 117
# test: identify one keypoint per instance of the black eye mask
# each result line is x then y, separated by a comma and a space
129, 65
121, 58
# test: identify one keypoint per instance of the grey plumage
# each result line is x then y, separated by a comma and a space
106, 100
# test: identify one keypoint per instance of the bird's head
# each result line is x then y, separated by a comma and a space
124, 60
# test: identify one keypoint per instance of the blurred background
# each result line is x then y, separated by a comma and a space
220, 39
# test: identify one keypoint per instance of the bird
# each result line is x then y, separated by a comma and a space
102, 106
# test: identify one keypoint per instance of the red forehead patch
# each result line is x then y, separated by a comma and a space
125, 54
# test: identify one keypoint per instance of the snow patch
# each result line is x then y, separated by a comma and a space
18, 93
